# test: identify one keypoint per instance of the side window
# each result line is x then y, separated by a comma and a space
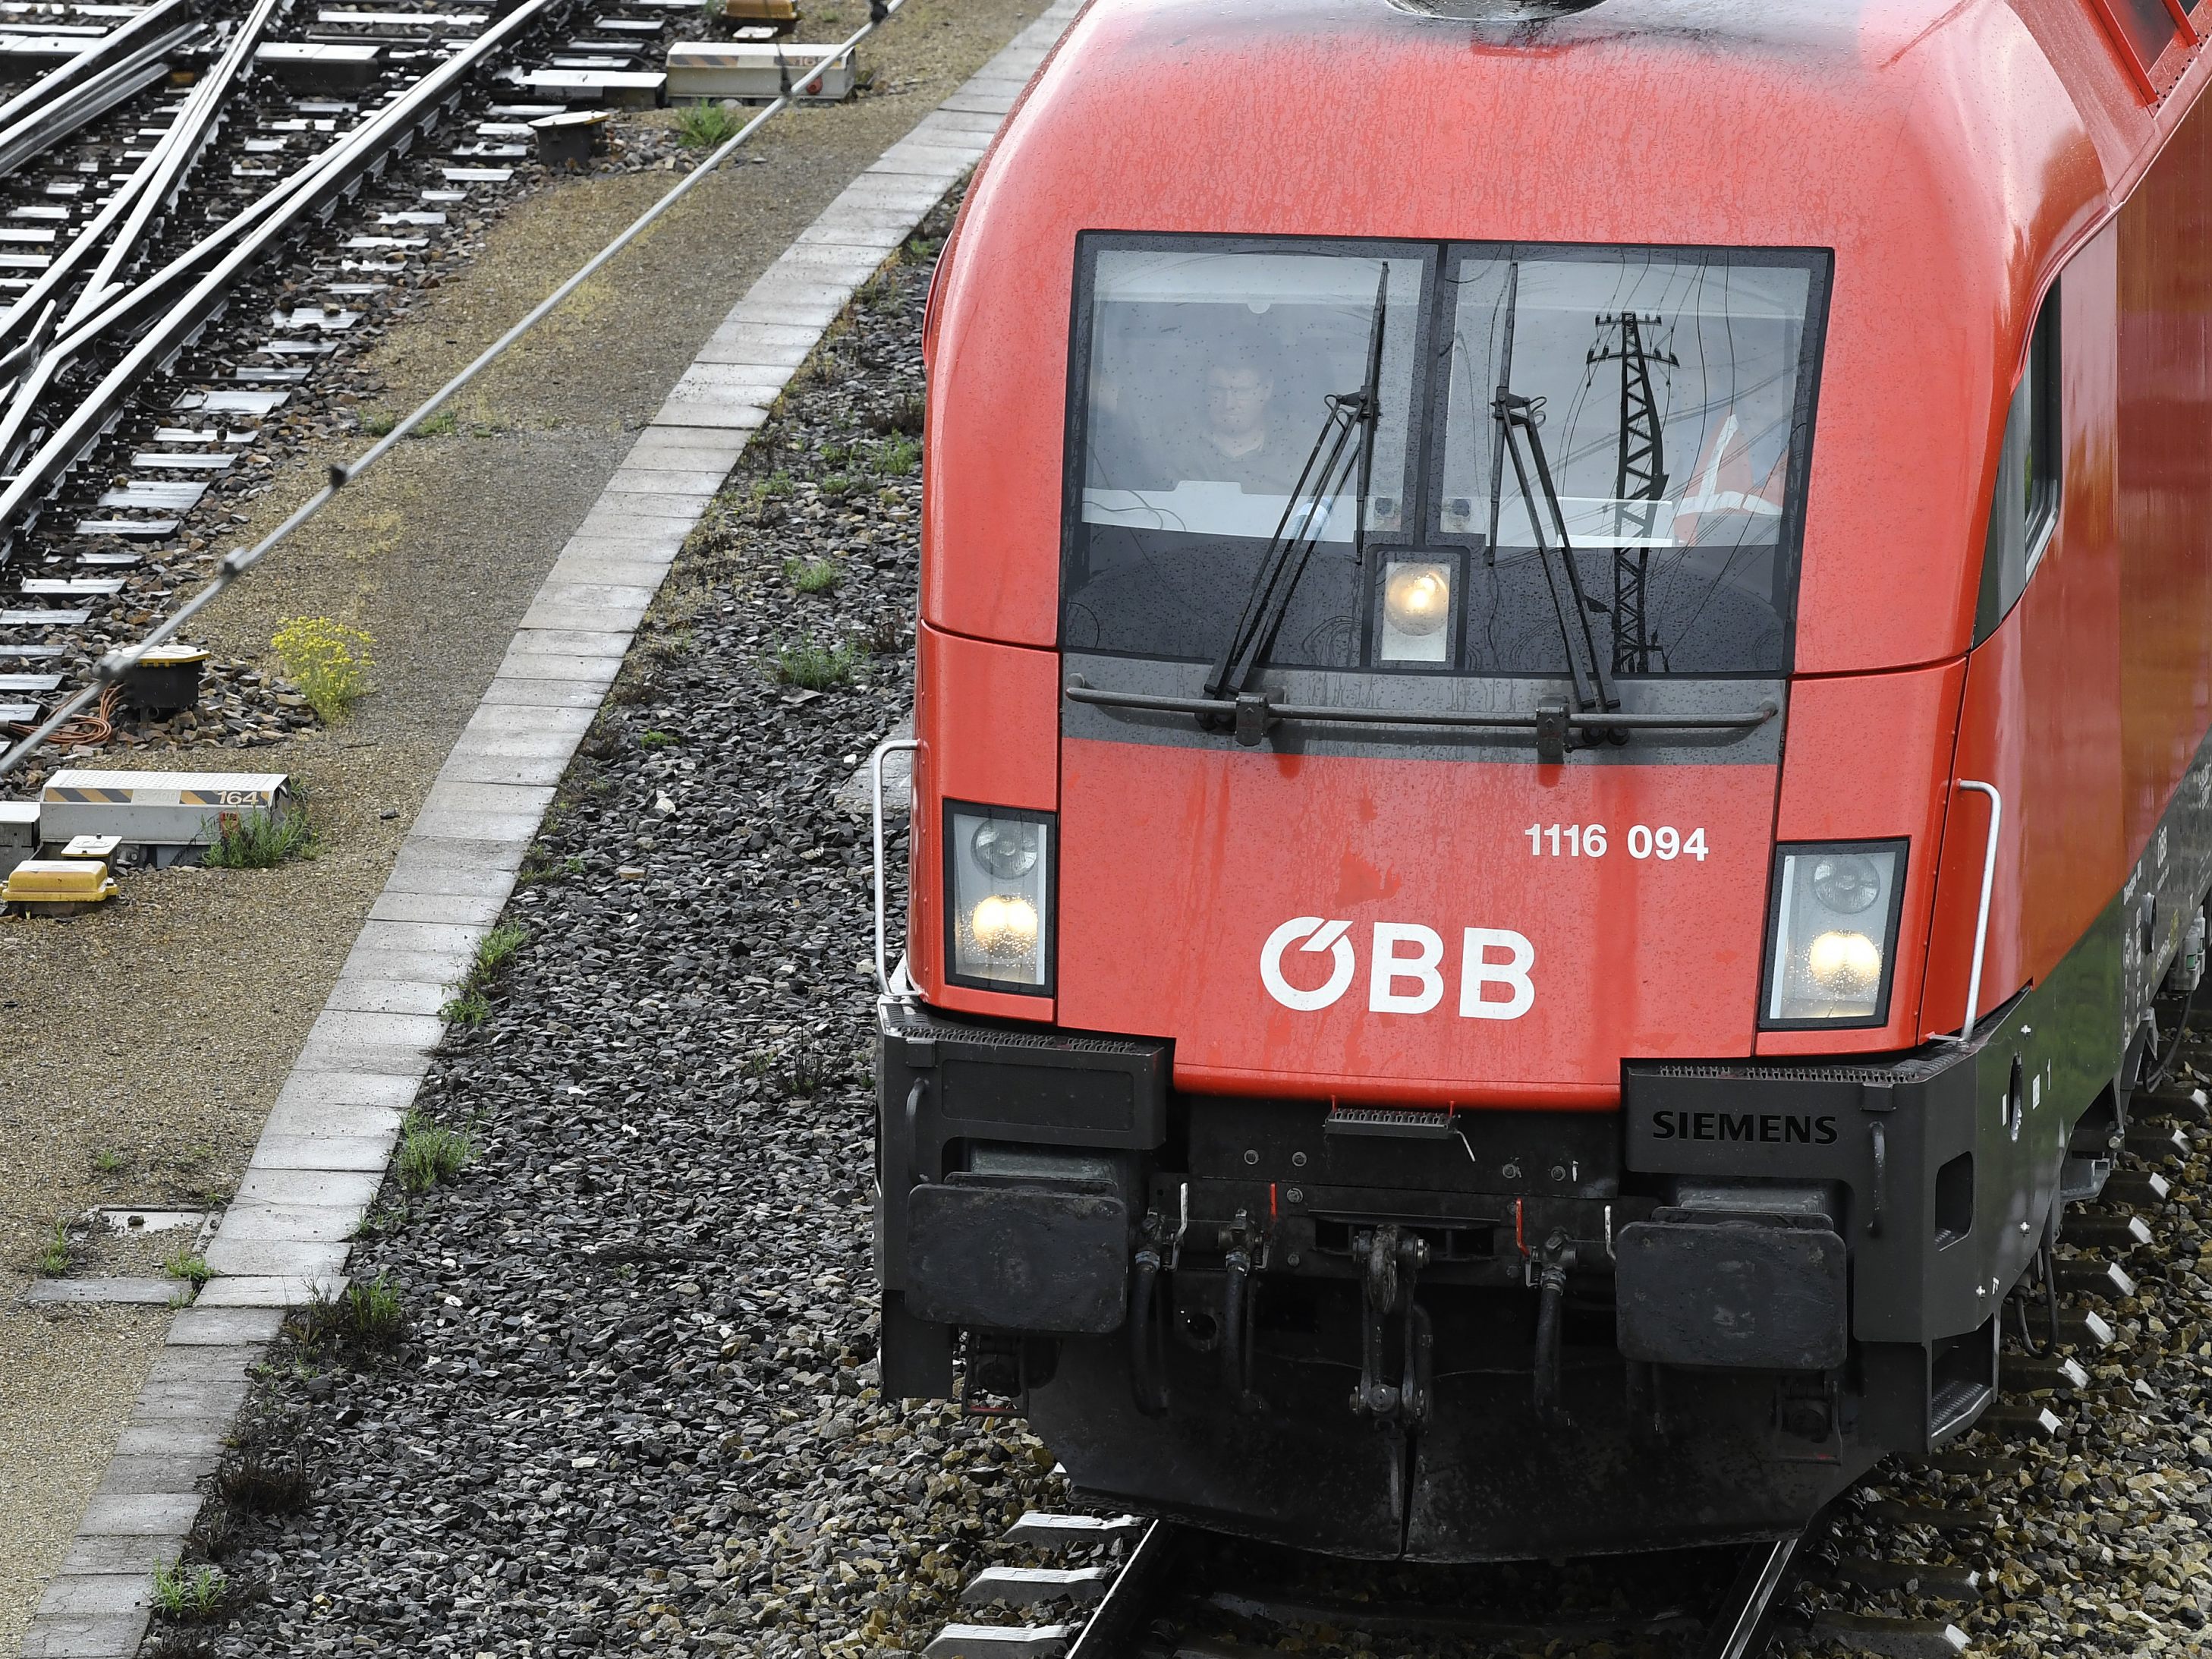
2024, 507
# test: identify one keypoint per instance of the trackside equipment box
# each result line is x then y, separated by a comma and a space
713, 68
153, 809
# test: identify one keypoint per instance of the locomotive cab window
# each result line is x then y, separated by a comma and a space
1441, 423
2024, 502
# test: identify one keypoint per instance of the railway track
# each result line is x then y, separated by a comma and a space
187, 274
1925, 1560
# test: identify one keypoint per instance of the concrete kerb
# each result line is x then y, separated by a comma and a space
323, 1153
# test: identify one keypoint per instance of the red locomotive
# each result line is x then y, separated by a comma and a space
1561, 777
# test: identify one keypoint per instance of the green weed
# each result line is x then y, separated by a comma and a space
190, 1267
657, 740
812, 576
361, 1317
261, 841
189, 1595
898, 457
814, 666
430, 1154
56, 1255
443, 424
378, 423
108, 1162
703, 127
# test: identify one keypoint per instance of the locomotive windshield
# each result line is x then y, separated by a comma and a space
1668, 406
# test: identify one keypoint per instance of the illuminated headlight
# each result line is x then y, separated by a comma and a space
1417, 604
1833, 935
999, 898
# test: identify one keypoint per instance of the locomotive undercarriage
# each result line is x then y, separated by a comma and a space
1381, 1332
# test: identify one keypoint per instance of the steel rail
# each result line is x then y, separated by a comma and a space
42, 109
40, 131
244, 237
177, 153
235, 564
133, 202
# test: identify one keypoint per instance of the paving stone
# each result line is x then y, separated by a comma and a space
169, 1475
204, 1363
223, 1326
431, 967
87, 1636
530, 691
134, 1292
337, 1188
205, 1437
269, 1289
330, 1152
243, 1257
274, 1224
593, 674
505, 768
452, 909
375, 996
568, 641
379, 1060
102, 1592
653, 508
349, 1028
131, 1552
138, 1515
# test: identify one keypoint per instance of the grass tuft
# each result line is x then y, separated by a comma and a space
898, 457
189, 1595
261, 841
702, 126
56, 1255
443, 424
658, 739
469, 1004
430, 1154
377, 422
258, 1482
814, 666
812, 576
362, 1318
188, 1266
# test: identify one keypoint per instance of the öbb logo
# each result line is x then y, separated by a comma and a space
1405, 972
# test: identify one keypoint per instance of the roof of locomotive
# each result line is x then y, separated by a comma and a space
1950, 152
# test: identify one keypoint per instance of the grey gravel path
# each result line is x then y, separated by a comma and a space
286, 1240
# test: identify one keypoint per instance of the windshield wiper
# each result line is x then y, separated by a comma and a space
1254, 713
1588, 668
1268, 599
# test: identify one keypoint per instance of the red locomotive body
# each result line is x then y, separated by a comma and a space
1518, 610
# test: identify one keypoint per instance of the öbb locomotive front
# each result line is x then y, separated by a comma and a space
1560, 776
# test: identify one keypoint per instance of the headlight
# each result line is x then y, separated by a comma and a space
998, 886
1417, 606
1833, 935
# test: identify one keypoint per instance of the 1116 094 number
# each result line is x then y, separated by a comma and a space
1590, 841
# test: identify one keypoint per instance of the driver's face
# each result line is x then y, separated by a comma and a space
1236, 400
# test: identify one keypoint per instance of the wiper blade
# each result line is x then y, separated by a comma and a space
1268, 599
1590, 669
1251, 715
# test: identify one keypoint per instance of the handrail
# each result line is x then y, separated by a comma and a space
1982, 921
888, 745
